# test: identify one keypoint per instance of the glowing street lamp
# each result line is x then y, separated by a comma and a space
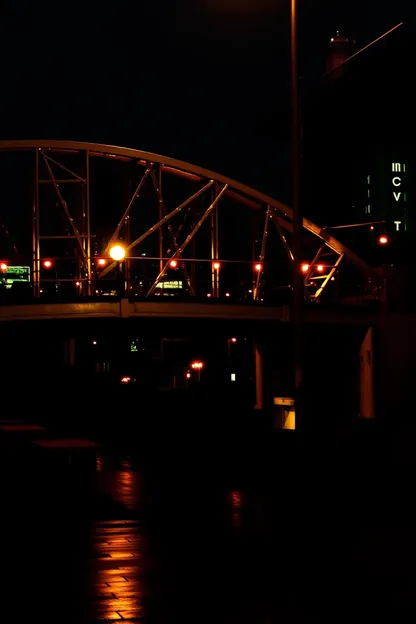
258, 267
173, 264
3, 266
383, 240
47, 264
305, 268
198, 366
117, 253
101, 262
216, 266
320, 268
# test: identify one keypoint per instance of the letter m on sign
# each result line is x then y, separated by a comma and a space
396, 167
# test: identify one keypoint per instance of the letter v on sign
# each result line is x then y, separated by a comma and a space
397, 195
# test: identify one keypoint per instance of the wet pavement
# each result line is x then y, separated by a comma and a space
89, 535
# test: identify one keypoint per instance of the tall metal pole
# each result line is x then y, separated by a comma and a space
88, 217
298, 292
35, 232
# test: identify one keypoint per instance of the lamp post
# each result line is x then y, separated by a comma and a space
298, 288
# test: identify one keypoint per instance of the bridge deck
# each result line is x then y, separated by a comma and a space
192, 310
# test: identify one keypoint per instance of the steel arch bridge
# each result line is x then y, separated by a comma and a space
182, 227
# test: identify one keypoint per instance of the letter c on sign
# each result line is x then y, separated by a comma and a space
398, 182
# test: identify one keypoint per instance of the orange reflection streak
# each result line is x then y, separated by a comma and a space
117, 545
236, 502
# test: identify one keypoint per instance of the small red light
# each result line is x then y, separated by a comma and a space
3, 266
77, 283
47, 264
101, 262
258, 267
320, 268
209, 295
173, 264
305, 268
234, 340
217, 266
188, 375
383, 240
227, 294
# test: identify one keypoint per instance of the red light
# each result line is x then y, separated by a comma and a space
320, 268
209, 295
77, 283
258, 267
173, 264
227, 294
125, 380
101, 261
47, 264
3, 266
234, 340
305, 268
217, 266
383, 240
188, 375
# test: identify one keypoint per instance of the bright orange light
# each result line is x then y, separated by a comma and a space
258, 267
101, 261
47, 264
216, 266
173, 264
3, 266
117, 253
383, 240
197, 365
234, 340
125, 380
320, 268
305, 268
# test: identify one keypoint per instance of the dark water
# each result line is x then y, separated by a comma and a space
257, 539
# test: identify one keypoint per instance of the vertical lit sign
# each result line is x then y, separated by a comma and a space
397, 180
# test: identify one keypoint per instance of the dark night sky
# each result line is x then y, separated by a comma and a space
203, 81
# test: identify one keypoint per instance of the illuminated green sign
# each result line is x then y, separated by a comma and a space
14, 274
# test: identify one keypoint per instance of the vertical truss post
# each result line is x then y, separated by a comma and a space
215, 274
88, 219
35, 231
161, 215
262, 253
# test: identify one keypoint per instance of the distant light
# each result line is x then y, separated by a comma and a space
227, 294
77, 283
197, 365
209, 295
320, 268
305, 268
332, 279
216, 266
101, 262
258, 267
117, 253
188, 375
125, 380
173, 264
372, 228
234, 340
250, 291
47, 264
233, 377
3, 266
94, 342
383, 240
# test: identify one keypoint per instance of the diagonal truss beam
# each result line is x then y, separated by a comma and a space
282, 236
66, 210
157, 225
129, 207
328, 277
188, 239
58, 164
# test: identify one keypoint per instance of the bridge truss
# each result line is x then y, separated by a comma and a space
168, 215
